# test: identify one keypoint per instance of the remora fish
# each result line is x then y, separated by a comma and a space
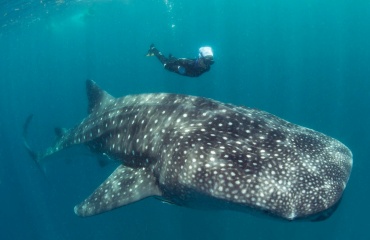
200, 153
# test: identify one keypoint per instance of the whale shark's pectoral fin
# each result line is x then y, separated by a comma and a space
124, 186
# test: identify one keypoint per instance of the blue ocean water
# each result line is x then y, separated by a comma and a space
305, 61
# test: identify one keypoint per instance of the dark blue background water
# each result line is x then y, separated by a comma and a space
306, 61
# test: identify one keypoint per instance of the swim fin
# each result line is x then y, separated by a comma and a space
150, 51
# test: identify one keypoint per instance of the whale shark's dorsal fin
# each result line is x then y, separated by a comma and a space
96, 96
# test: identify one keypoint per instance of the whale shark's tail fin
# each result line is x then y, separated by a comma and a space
34, 155
31, 152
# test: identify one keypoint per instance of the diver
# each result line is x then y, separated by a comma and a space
184, 66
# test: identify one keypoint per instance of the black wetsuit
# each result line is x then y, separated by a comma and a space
183, 66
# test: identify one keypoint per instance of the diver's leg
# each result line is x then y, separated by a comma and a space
176, 65
172, 67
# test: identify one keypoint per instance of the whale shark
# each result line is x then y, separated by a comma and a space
201, 153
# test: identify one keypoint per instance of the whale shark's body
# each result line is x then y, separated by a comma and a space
201, 153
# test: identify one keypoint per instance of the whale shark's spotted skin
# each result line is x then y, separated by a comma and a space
197, 152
